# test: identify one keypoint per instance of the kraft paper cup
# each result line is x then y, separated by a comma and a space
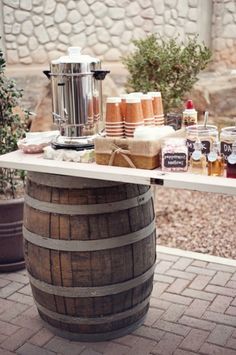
113, 110
134, 113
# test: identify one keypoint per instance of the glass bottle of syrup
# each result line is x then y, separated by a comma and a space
231, 163
197, 163
215, 161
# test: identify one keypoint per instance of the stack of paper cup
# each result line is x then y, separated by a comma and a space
114, 124
123, 104
157, 107
133, 115
90, 110
147, 107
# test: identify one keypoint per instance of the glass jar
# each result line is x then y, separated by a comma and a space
227, 138
206, 134
174, 155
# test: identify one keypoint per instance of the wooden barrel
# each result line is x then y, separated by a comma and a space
11, 239
90, 253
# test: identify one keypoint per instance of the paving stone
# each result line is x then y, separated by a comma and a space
167, 257
221, 278
19, 297
149, 333
30, 349
17, 277
231, 343
26, 290
225, 291
41, 337
64, 346
176, 298
10, 289
197, 308
220, 267
202, 295
163, 278
199, 263
4, 282
178, 286
181, 274
220, 334
220, 304
231, 284
197, 323
5, 352
178, 329
210, 349
13, 311
234, 277
163, 266
158, 289
142, 347
5, 305
168, 344
160, 304
152, 316
200, 282
182, 263
2, 338
128, 340
31, 323
20, 337
7, 329
231, 311
174, 312
200, 271
220, 318
116, 349
194, 339
89, 351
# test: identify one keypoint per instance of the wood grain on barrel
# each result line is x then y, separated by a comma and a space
90, 268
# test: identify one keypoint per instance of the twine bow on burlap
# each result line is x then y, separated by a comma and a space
124, 153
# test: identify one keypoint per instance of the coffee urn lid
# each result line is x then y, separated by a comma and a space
75, 56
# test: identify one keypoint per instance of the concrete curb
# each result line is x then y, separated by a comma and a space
195, 255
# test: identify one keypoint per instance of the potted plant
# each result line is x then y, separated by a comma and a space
168, 66
12, 128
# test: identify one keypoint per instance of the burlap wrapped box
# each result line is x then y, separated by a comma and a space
130, 152
127, 152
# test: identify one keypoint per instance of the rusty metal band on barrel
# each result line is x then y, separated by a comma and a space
95, 291
89, 245
99, 320
71, 210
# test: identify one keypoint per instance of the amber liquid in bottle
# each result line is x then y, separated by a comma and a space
197, 163
215, 161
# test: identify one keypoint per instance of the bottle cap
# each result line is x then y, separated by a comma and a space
189, 105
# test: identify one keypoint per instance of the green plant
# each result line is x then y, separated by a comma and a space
12, 128
166, 66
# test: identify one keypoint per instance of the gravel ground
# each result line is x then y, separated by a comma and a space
196, 221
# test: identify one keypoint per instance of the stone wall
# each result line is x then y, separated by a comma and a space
224, 34
36, 31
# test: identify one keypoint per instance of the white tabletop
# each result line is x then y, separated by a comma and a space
35, 162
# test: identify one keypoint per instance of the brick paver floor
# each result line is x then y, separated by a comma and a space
192, 311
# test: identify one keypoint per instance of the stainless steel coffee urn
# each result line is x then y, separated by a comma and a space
76, 81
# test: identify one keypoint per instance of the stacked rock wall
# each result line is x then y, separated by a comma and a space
36, 31
224, 33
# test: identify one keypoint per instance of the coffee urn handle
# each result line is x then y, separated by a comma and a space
100, 74
47, 73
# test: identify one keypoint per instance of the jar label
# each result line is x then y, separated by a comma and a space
206, 145
226, 149
232, 158
212, 157
196, 155
175, 160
